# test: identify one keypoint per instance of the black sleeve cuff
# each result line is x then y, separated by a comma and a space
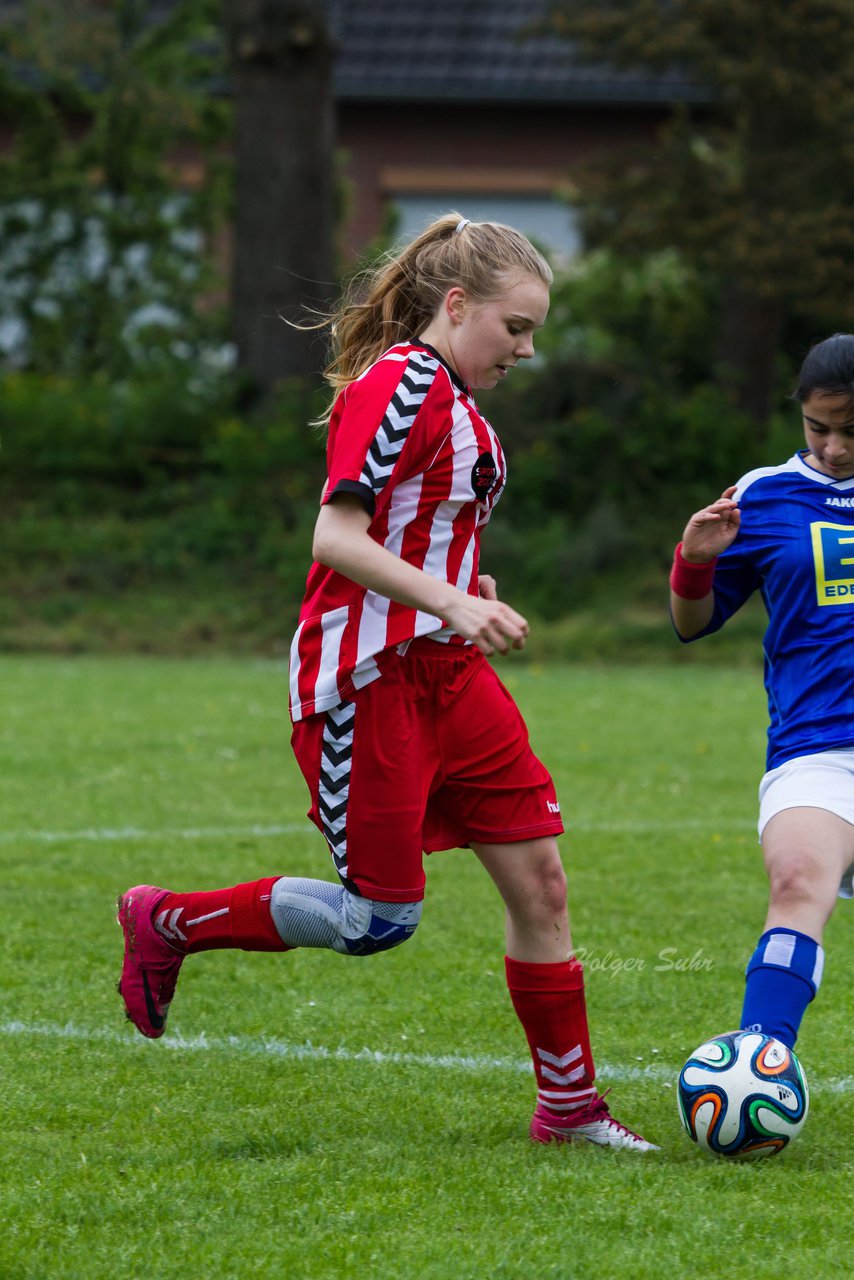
363, 492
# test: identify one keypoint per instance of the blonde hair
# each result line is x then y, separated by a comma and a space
396, 298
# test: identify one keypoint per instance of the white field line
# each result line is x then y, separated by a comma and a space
268, 1047
120, 834
99, 835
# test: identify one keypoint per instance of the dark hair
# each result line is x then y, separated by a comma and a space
828, 369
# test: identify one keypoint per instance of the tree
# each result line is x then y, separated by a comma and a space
284, 206
755, 186
102, 242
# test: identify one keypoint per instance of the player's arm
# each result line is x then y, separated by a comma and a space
708, 533
342, 541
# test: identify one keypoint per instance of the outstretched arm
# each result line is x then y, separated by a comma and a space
342, 541
708, 533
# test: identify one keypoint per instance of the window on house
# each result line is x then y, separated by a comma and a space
547, 220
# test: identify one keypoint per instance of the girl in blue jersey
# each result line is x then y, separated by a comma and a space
788, 532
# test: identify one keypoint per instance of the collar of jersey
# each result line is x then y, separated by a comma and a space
811, 473
452, 374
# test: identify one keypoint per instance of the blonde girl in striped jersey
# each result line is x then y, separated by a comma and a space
408, 741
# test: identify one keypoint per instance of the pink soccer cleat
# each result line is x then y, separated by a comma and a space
151, 965
592, 1124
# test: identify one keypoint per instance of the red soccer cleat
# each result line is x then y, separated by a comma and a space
151, 965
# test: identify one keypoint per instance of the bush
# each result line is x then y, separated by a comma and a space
164, 483
617, 434
154, 490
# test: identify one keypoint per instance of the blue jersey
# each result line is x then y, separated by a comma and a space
796, 546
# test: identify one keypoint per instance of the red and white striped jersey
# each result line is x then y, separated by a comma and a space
409, 440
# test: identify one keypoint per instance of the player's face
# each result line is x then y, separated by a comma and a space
488, 338
829, 431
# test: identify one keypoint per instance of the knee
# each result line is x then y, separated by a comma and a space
554, 887
550, 882
793, 882
369, 926
542, 890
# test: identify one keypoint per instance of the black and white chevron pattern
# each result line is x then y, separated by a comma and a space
336, 760
408, 398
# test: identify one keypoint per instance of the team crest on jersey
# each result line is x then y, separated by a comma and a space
833, 555
484, 474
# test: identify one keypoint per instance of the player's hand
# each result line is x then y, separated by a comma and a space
487, 587
712, 530
490, 624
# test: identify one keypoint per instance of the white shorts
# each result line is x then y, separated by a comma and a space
822, 781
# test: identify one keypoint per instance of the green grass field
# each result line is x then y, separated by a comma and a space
309, 1116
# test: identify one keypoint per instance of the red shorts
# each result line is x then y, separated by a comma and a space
432, 755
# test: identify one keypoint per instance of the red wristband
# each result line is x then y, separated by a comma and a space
691, 581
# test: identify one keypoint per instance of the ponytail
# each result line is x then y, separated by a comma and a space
396, 298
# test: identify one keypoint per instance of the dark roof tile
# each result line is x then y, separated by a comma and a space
465, 51
459, 50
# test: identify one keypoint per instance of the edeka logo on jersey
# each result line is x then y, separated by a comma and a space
833, 553
484, 473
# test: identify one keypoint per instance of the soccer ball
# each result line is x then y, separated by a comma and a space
743, 1094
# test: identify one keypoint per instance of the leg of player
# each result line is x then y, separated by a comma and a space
546, 985
277, 913
807, 852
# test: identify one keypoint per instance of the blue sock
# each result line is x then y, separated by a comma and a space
783, 975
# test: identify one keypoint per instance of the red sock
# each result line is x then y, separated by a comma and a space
235, 917
549, 1002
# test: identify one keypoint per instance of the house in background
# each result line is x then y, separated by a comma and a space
459, 104
468, 104
473, 105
